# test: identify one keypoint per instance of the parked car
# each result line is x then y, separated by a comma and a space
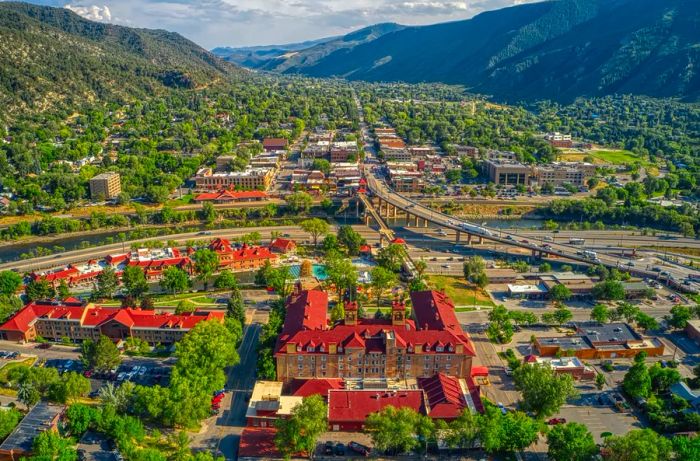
328, 448
339, 449
359, 448
504, 410
555, 421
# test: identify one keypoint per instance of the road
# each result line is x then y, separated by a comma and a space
674, 276
240, 381
78, 256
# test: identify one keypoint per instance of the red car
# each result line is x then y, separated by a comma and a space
555, 421
87, 373
359, 448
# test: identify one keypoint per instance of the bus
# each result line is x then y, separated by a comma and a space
592, 255
575, 241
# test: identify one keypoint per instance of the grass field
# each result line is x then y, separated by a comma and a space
611, 156
461, 293
169, 300
11, 365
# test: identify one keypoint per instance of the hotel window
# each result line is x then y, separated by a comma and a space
323, 358
301, 366
439, 348
310, 349
300, 358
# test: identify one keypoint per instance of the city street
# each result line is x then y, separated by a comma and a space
221, 434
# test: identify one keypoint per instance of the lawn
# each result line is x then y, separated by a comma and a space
612, 156
11, 365
170, 300
461, 293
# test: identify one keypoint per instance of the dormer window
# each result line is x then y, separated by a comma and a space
439, 349
450, 349
340, 349
298, 347
322, 349
310, 349
410, 349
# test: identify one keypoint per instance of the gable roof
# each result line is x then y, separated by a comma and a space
356, 405
307, 387
445, 395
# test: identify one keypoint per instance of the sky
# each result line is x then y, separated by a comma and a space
212, 23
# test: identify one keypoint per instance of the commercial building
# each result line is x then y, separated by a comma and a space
105, 186
570, 366
400, 348
508, 172
282, 245
267, 404
274, 144
348, 409
580, 285
78, 321
224, 162
501, 275
692, 329
243, 257
527, 291
397, 155
557, 139
560, 173
43, 416
600, 341
249, 179
406, 180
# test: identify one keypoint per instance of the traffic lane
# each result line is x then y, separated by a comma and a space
240, 381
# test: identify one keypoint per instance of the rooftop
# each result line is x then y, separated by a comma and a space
40, 418
608, 332
356, 405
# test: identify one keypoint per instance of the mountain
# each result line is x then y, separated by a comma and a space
556, 50
290, 58
256, 56
51, 57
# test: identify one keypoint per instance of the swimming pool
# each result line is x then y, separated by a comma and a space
318, 270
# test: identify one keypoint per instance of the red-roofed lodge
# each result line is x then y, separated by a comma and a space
357, 348
77, 321
229, 196
240, 258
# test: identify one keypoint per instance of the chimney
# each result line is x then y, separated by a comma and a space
351, 312
398, 313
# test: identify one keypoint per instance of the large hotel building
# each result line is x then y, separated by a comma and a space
356, 348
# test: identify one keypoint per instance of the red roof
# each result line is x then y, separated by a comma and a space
244, 253
399, 241
258, 442
306, 311
283, 244
230, 195
480, 371
530, 358
434, 310
92, 315
306, 320
307, 387
365, 249
356, 405
445, 396
274, 142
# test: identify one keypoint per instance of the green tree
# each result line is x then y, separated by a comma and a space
280, 280
686, 447
599, 381
391, 257
235, 306
80, 417
50, 446
350, 239
560, 292
545, 267
10, 282
609, 289
338, 312
500, 328
107, 283
638, 445
299, 202
301, 430
513, 431
398, 430
463, 431
473, 269
206, 262
543, 390
637, 382
100, 356
663, 378
381, 280
571, 442
28, 394
600, 313
62, 292
8, 421
208, 212
679, 316
646, 321
8, 306
175, 280
627, 311
343, 274
316, 227
70, 387
134, 281
330, 243
562, 315
185, 306
39, 289
226, 281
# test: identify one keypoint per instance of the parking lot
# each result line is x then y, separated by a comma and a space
94, 447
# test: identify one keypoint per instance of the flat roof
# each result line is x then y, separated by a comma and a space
527, 289
566, 342
609, 332
35, 422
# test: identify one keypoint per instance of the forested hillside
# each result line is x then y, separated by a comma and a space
51, 57
550, 50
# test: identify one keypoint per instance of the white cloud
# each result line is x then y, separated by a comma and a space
254, 22
92, 12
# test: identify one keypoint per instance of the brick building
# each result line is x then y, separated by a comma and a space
250, 179
105, 186
240, 258
274, 144
433, 342
600, 341
78, 321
